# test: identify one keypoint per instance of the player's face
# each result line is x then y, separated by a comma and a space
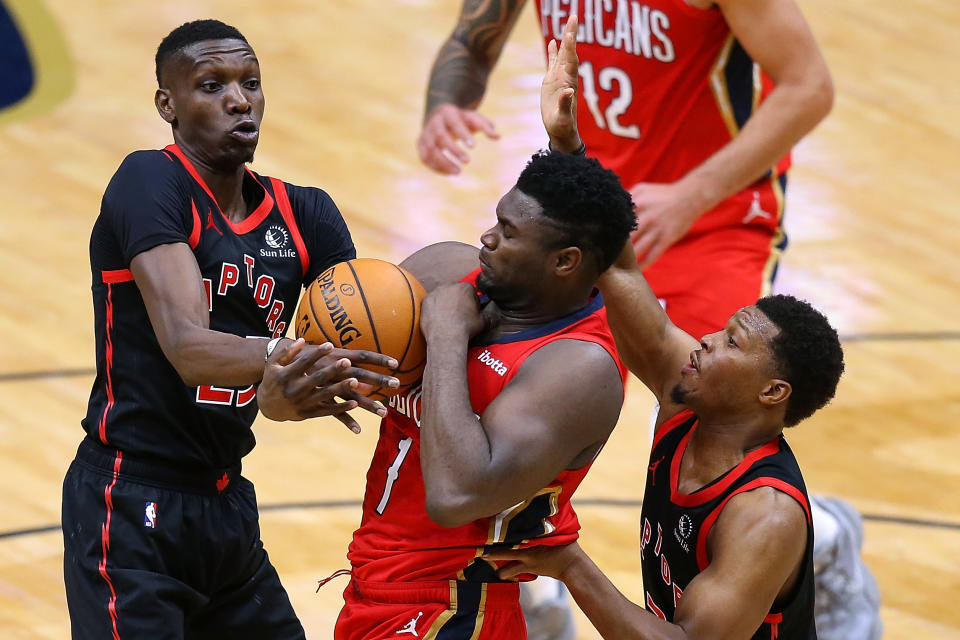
731, 367
216, 101
514, 263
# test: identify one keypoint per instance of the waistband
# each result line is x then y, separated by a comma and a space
453, 593
212, 482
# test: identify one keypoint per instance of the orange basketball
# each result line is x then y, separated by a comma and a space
368, 304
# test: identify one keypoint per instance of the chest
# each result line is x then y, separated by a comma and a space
249, 269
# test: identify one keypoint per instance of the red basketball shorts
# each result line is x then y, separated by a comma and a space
704, 279
443, 610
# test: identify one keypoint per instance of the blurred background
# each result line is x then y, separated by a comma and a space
872, 211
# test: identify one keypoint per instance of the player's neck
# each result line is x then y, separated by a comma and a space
516, 316
715, 448
225, 182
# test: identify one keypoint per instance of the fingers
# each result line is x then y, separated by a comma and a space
477, 122
348, 420
643, 240
445, 135
568, 45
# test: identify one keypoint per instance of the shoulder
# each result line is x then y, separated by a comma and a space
145, 178
765, 511
442, 263
147, 166
308, 201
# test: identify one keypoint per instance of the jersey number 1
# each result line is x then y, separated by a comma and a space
393, 472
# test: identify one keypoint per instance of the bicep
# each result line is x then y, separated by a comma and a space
442, 263
547, 415
171, 286
776, 35
755, 548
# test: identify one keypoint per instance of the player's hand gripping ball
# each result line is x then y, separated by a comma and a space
368, 304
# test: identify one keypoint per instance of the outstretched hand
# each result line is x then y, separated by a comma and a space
303, 381
558, 93
447, 134
542, 561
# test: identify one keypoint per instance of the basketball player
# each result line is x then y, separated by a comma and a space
489, 450
695, 104
727, 535
197, 265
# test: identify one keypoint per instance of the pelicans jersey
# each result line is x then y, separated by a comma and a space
398, 543
663, 86
252, 273
675, 525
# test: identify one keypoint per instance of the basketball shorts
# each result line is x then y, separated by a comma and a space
153, 552
443, 610
704, 279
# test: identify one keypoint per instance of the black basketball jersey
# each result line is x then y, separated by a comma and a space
674, 525
252, 271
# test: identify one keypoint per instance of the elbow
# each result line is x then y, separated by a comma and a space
819, 96
448, 510
178, 355
825, 94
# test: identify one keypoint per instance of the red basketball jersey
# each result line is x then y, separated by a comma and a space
663, 86
397, 541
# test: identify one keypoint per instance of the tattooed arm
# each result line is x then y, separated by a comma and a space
458, 81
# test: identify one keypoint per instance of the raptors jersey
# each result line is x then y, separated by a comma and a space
675, 525
663, 86
397, 541
252, 273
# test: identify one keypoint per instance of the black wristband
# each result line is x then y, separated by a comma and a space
582, 151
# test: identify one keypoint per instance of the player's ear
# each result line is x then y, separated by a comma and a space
568, 261
775, 392
165, 107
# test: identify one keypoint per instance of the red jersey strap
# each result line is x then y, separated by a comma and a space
670, 425
247, 224
703, 496
775, 483
195, 232
283, 203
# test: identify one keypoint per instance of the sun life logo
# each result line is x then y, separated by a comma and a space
276, 237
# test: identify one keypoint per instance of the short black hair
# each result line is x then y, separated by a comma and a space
189, 33
807, 354
584, 201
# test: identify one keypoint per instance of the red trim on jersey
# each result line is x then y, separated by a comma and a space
115, 276
195, 231
669, 426
698, 498
102, 425
166, 153
283, 203
775, 483
247, 224
774, 620
105, 544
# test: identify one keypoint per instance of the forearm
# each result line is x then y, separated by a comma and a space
460, 72
454, 448
610, 612
791, 111
457, 77
637, 321
202, 356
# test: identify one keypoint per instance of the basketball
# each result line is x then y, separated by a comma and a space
368, 304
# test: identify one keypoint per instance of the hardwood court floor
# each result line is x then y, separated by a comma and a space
872, 209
